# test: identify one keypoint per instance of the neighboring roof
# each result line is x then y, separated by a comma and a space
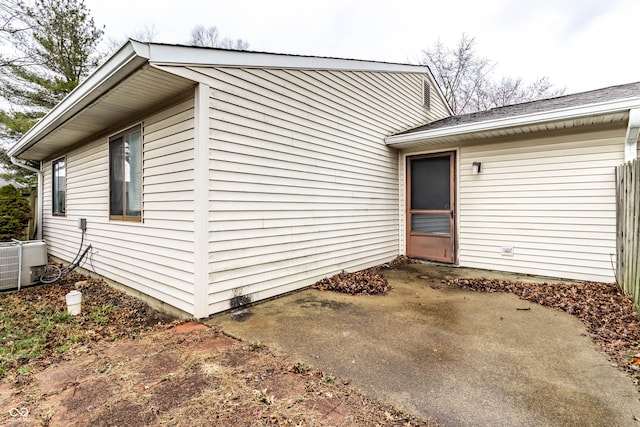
596, 106
132, 81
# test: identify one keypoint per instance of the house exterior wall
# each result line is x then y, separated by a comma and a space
302, 185
154, 256
550, 196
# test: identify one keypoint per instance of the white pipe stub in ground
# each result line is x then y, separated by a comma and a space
74, 302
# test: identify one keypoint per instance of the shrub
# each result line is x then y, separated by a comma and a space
15, 213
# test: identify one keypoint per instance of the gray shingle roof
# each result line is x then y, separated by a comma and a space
624, 91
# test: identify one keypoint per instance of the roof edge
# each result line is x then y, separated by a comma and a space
130, 57
568, 113
133, 55
167, 54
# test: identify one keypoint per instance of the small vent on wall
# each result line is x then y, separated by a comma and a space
426, 94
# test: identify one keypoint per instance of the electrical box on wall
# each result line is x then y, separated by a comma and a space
82, 224
506, 250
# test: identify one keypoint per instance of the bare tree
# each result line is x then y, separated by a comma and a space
145, 35
15, 25
210, 37
468, 80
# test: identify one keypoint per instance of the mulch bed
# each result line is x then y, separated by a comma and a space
607, 313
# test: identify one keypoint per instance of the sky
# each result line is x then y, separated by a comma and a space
578, 44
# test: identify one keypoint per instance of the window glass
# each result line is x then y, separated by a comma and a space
125, 175
115, 176
59, 186
133, 173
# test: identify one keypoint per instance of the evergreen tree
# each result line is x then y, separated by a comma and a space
15, 214
48, 47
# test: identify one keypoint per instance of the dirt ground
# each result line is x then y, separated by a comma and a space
135, 367
177, 374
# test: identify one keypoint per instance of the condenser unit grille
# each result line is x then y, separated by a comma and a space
9, 266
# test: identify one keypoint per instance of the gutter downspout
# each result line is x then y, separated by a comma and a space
38, 172
631, 139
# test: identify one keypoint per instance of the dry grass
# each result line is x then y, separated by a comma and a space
135, 367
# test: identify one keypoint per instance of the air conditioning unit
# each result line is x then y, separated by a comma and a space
10, 268
22, 263
34, 261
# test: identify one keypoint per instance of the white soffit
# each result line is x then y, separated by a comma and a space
121, 89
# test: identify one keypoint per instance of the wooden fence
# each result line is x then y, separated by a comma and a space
628, 229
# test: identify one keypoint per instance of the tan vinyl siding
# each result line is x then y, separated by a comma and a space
302, 184
552, 198
156, 256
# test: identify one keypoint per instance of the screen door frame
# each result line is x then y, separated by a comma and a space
431, 230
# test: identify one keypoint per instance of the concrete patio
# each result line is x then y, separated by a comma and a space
465, 358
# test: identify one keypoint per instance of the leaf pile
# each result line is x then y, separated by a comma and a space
607, 313
37, 330
363, 282
402, 260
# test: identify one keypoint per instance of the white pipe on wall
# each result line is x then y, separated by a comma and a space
631, 140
